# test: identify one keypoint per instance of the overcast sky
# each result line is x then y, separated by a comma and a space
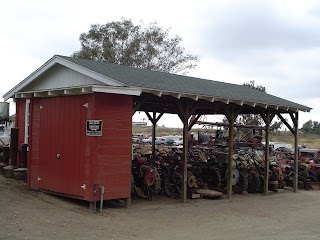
276, 43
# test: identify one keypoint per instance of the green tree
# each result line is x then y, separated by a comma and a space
251, 119
254, 119
311, 127
275, 126
308, 124
122, 42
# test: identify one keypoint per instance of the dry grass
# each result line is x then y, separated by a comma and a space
311, 140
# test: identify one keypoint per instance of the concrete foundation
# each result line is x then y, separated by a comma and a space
2, 165
8, 171
20, 173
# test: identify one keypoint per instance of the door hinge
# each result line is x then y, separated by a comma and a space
86, 105
83, 186
41, 107
39, 179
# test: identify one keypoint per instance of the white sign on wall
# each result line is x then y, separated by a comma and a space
94, 128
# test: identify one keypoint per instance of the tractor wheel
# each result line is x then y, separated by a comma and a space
312, 173
312, 178
242, 183
253, 183
172, 186
214, 179
302, 182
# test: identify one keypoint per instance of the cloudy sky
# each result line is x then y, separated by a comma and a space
276, 43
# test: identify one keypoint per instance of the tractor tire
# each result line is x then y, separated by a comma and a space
253, 183
317, 172
213, 179
173, 186
242, 183
312, 173
303, 182
312, 178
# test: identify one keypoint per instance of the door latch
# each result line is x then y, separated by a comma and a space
83, 186
58, 156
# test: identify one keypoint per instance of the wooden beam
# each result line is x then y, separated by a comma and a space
26, 95
296, 149
86, 90
74, 91
158, 118
154, 119
194, 107
176, 95
274, 107
264, 116
149, 117
185, 154
137, 105
40, 94
52, 93
227, 113
272, 115
193, 121
230, 114
286, 123
237, 111
181, 110
238, 102
265, 106
154, 123
266, 154
252, 104
223, 100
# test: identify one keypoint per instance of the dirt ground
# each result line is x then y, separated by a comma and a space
27, 214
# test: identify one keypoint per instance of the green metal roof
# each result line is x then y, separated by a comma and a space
161, 81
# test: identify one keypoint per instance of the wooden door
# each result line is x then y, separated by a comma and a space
62, 143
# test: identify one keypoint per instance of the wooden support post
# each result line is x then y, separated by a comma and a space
294, 131
185, 155
266, 156
231, 118
128, 202
154, 119
296, 150
193, 121
154, 136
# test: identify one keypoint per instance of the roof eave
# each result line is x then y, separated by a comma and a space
196, 97
58, 60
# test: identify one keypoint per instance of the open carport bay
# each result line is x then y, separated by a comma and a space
28, 214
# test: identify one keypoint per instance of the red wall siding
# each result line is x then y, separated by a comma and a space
20, 119
62, 134
113, 163
90, 152
106, 160
34, 143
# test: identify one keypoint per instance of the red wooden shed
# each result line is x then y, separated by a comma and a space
77, 137
79, 116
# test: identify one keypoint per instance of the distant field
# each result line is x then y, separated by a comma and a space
312, 140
